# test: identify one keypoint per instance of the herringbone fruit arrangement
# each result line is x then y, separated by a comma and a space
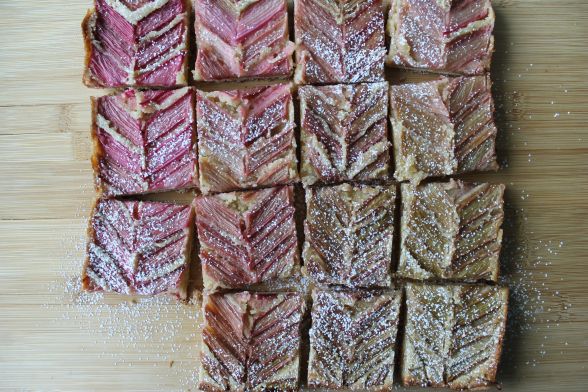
332, 246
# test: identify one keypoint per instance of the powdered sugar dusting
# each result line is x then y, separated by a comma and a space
157, 335
525, 269
443, 36
348, 232
339, 42
344, 133
246, 138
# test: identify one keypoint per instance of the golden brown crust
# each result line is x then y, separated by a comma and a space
91, 234
97, 150
491, 375
87, 37
184, 289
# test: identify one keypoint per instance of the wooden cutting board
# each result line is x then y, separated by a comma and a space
54, 338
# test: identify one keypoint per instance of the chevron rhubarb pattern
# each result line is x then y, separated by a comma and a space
138, 248
453, 335
136, 43
239, 39
348, 235
247, 237
451, 231
246, 138
471, 109
443, 127
251, 341
452, 36
339, 41
344, 133
353, 340
144, 141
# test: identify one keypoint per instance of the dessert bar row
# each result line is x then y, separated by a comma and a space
449, 231
146, 44
451, 337
220, 141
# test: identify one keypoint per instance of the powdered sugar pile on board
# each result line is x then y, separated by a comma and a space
135, 332
535, 307
524, 263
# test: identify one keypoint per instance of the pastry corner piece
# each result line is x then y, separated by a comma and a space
443, 127
339, 41
144, 141
451, 36
246, 138
136, 44
451, 230
251, 341
344, 133
242, 40
353, 340
453, 335
247, 238
349, 234
137, 247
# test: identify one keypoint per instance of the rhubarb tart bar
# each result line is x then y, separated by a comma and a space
451, 231
339, 41
344, 133
349, 234
246, 138
144, 141
138, 247
239, 39
353, 340
137, 43
450, 36
443, 127
251, 342
453, 335
247, 238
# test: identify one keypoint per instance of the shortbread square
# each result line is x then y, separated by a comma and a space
247, 238
246, 138
349, 235
344, 133
451, 230
353, 340
251, 342
453, 335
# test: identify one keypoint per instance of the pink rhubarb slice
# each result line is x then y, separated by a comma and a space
242, 39
136, 43
452, 36
443, 127
246, 138
138, 247
251, 342
339, 41
247, 237
144, 141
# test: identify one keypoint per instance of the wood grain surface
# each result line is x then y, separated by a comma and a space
54, 338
